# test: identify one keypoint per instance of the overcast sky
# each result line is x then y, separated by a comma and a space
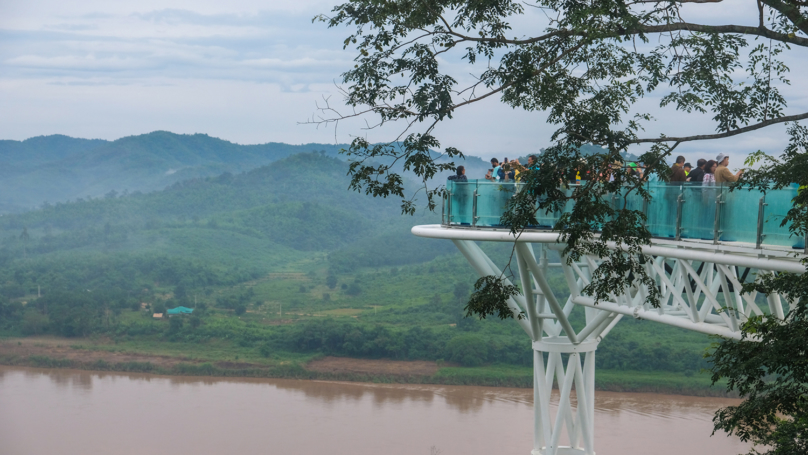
246, 71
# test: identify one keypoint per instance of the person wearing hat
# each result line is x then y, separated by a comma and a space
722, 173
633, 170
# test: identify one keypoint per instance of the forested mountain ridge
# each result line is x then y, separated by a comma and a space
60, 168
254, 221
42, 149
311, 177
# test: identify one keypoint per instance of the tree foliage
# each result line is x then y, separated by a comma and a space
490, 298
588, 69
769, 367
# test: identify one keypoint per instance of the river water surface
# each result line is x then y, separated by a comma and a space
78, 412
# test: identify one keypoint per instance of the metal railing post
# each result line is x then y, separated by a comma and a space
449, 210
680, 200
645, 211
614, 206
474, 209
761, 208
443, 210
805, 251
717, 220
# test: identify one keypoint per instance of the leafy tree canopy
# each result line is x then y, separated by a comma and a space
588, 69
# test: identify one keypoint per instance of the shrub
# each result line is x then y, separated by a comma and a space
468, 350
331, 281
353, 289
175, 324
265, 350
34, 322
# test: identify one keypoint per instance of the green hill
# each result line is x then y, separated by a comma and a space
281, 260
60, 168
300, 203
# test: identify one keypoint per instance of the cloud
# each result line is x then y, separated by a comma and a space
262, 47
248, 71
178, 16
72, 27
88, 63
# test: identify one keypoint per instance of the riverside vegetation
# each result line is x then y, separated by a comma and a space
283, 266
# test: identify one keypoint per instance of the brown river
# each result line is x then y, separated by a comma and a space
78, 412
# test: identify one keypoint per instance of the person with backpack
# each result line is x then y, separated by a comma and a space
496, 174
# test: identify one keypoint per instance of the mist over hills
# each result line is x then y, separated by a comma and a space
59, 168
261, 219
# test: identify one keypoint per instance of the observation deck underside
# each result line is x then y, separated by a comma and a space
699, 282
768, 257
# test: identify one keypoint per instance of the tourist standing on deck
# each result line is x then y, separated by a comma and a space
678, 171
709, 173
697, 175
497, 174
510, 170
460, 176
722, 174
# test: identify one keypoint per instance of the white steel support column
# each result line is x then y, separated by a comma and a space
576, 422
570, 354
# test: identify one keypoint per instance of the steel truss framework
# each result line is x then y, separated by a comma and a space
700, 290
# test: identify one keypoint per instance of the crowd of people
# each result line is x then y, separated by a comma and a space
506, 171
706, 172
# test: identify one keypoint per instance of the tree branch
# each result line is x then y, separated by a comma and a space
706, 137
536, 72
664, 28
791, 10
739, 29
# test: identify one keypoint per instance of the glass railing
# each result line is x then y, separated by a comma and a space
675, 211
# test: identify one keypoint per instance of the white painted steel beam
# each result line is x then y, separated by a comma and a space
775, 260
477, 259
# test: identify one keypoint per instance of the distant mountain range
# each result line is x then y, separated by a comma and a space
291, 210
59, 168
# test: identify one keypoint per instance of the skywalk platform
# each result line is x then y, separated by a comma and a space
711, 218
